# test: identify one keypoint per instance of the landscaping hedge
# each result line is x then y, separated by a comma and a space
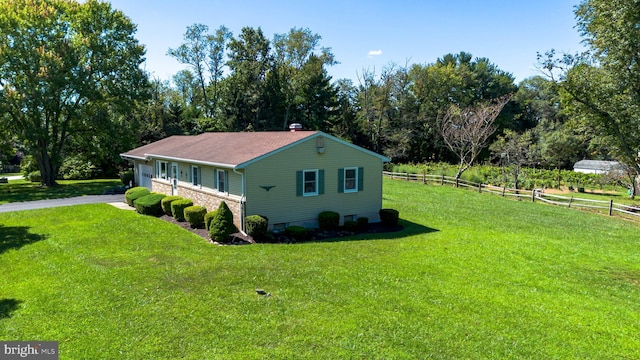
328, 220
166, 203
208, 217
178, 206
149, 204
221, 226
256, 226
135, 193
195, 216
296, 232
363, 222
389, 217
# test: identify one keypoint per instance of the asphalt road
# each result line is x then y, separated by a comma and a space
41, 204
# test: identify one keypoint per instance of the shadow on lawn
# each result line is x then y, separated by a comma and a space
15, 237
7, 307
404, 229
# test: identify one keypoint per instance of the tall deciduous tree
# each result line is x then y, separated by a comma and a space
297, 57
66, 69
602, 86
466, 131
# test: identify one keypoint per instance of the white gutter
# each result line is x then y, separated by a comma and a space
242, 198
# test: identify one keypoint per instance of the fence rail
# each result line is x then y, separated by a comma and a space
609, 207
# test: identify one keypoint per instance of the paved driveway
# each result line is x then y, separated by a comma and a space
41, 204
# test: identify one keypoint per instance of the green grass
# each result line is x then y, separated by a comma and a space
22, 190
470, 276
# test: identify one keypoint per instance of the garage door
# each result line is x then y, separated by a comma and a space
145, 173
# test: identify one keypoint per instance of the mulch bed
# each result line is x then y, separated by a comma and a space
312, 235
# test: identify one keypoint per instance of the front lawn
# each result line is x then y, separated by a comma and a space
23, 190
470, 276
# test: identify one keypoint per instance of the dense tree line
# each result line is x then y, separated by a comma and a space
63, 102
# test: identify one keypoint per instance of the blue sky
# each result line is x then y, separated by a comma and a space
372, 34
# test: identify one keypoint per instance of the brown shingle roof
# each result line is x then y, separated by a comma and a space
222, 148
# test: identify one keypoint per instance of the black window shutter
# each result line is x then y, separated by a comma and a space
340, 180
320, 182
360, 178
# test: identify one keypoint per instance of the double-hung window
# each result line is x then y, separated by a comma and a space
221, 181
162, 170
350, 179
310, 182
195, 176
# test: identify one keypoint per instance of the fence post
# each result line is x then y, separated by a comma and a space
504, 188
457, 182
480, 188
424, 178
442, 180
570, 201
610, 207
407, 176
533, 195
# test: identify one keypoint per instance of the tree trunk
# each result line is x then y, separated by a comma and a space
48, 170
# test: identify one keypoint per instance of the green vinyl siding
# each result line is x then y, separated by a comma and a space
282, 174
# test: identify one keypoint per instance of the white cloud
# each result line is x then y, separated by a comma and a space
375, 53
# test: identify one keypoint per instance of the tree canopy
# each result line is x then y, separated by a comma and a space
68, 73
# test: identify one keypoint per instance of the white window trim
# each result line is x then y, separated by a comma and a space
225, 181
159, 164
355, 180
304, 190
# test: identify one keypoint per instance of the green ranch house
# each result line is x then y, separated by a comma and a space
288, 177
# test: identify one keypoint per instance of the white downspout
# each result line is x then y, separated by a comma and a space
242, 198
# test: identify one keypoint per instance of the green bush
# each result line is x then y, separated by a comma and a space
362, 222
351, 225
389, 217
135, 193
126, 177
256, 226
149, 204
29, 169
328, 220
166, 203
296, 232
208, 217
221, 225
178, 206
195, 216
77, 168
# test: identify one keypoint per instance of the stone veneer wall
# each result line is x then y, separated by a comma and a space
160, 187
203, 198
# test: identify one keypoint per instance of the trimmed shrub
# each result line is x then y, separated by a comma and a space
256, 226
389, 217
195, 216
208, 217
296, 232
126, 177
178, 206
328, 220
135, 193
363, 222
149, 204
221, 225
166, 203
351, 225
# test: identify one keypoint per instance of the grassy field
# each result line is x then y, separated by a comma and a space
470, 276
22, 190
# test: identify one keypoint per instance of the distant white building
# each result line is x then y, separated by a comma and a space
596, 166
